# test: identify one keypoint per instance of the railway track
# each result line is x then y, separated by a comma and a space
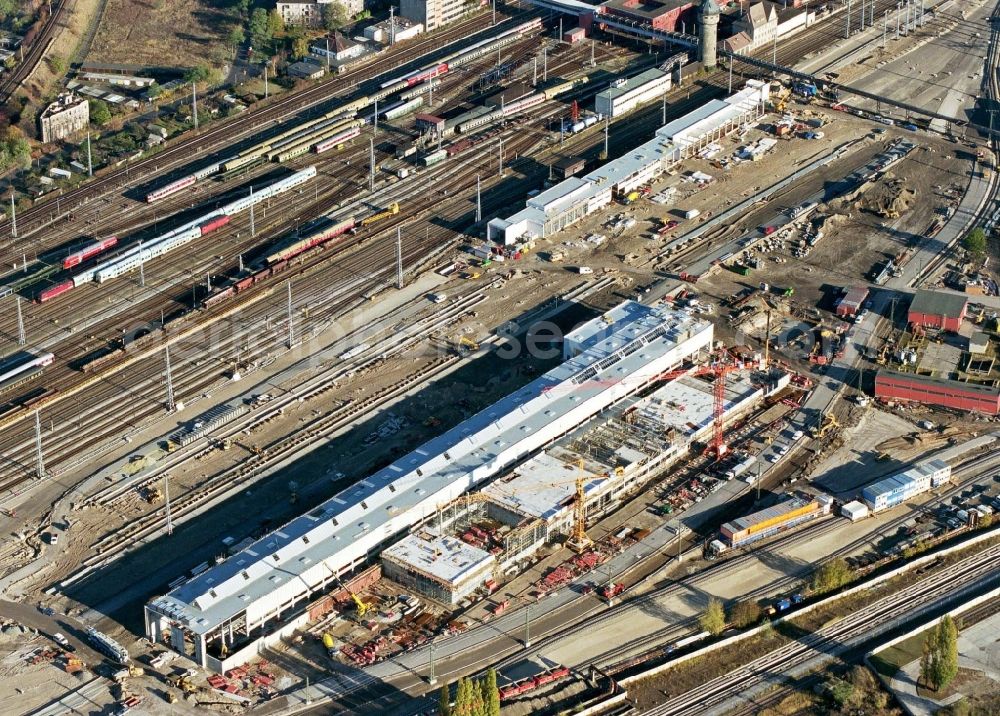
11, 81
148, 381
612, 661
218, 140
19, 464
991, 85
973, 572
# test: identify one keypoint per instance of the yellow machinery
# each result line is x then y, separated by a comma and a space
392, 210
579, 541
466, 342
828, 424
362, 607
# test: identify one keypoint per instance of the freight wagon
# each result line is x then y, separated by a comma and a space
433, 158
318, 238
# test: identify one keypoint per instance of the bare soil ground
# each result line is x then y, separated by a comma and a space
856, 239
180, 33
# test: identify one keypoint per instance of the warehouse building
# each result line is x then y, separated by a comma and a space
936, 309
798, 509
925, 390
625, 95
897, 489
223, 615
569, 201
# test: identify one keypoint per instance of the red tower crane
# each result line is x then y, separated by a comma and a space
722, 364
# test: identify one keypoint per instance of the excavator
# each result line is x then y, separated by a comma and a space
829, 423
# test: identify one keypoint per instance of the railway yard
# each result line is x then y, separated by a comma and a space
349, 447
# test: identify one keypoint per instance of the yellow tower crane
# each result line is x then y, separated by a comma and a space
579, 541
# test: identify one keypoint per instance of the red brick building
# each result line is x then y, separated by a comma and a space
666, 15
935, 309
953, 394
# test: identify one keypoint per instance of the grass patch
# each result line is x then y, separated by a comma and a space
888, 661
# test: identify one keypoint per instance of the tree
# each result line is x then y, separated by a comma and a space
714, 619
58, 64
260, 29
444, 707
335, 15
492, 694
197, 74
975, 242
99, 112
237, 37
745, 614
275, 23
939, 664
300, 47
831, 575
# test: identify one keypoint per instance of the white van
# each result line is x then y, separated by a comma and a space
584, 270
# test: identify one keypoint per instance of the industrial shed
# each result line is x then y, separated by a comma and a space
936, 309
223, 615
896, 489
954, 394
794, 511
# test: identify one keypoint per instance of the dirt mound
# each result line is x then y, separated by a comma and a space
888, 198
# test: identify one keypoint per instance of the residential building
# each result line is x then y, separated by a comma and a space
760, 24
65, 117
433, 14
307, 13
337, 47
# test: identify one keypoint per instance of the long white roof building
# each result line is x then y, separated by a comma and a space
607, 359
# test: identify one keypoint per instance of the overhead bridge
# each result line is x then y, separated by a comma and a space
645, 30
805, 77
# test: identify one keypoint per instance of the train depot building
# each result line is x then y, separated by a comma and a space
223, 615
571, 200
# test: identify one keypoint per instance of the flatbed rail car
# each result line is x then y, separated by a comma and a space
22, 367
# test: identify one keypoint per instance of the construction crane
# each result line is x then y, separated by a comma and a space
362, 608
579, 541
723, 365
719, 368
